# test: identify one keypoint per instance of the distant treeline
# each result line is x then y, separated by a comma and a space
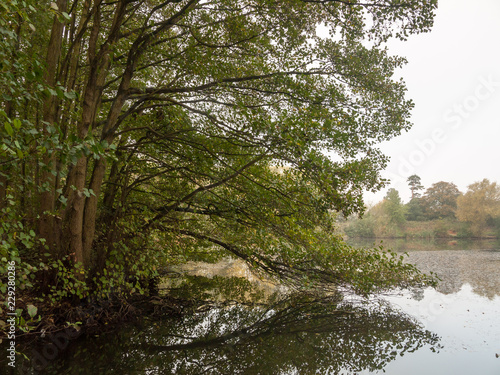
441, 211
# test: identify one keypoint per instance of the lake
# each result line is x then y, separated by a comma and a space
452, 330
464, 310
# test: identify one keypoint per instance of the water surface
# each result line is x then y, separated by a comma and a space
464, 310
452, 330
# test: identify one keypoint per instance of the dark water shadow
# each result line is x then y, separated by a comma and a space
292, 336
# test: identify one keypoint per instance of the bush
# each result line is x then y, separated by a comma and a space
361, 227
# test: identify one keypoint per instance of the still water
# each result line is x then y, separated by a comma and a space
464, 310
452, 330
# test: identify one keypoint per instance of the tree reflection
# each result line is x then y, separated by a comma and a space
294, 336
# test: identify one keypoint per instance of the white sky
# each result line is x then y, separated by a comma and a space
453, 76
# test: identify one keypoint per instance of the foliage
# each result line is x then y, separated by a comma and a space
364, 227
479, 204
440, 200
495, 223
385, 219
441, 227
415, 210
158, 132
394, 207
18, 85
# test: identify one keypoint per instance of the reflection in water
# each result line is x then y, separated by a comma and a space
304, 336
478, 265
295, 336
479, 268
469, 329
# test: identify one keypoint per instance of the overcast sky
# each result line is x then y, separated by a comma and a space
453, 76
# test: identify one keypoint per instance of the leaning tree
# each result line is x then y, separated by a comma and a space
143, 132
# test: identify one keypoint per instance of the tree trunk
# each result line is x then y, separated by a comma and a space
47, 227
81, 211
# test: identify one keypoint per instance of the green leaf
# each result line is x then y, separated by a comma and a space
32, 310
17, 123
60, 92
63, 199
8, 129
70, 94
